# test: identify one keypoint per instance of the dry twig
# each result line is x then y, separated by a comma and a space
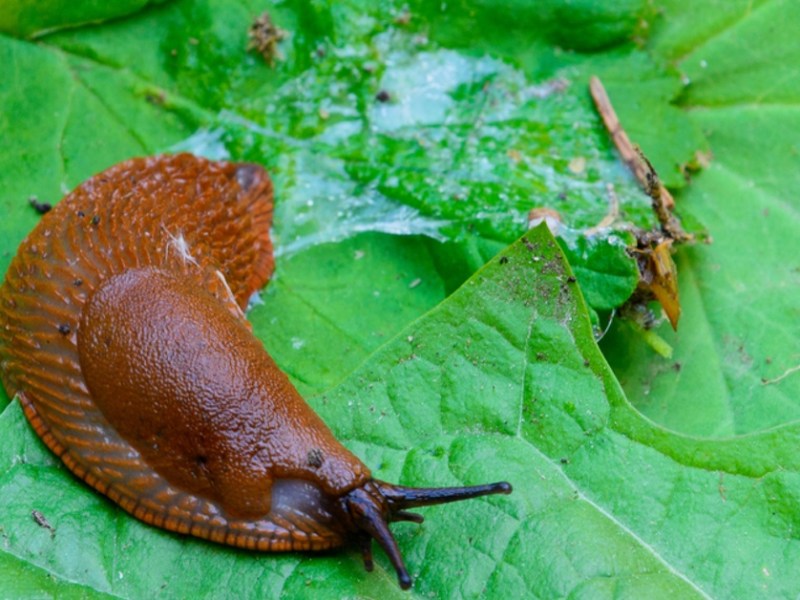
642, 169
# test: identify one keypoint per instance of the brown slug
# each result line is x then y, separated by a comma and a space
123, 337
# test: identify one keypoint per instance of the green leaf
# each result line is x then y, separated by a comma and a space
358, 292
732, 371
603, 267
30, 19
570, 24
491, 383
23, 580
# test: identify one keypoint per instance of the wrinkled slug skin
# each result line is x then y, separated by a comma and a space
123, 337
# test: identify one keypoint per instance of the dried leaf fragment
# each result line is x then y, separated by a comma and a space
264, 37
659, 278
639, 165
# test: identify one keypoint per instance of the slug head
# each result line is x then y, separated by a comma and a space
370, 509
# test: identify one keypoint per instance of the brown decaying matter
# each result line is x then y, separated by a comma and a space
123, 337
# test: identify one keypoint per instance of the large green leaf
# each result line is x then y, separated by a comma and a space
29, 19
486, 119
741, 294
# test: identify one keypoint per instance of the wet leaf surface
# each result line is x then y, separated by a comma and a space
447, 125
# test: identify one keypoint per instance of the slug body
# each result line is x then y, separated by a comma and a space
123, 337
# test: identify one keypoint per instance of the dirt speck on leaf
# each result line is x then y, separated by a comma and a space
264, 38
42, 521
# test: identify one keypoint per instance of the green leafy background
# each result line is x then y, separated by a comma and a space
635, 475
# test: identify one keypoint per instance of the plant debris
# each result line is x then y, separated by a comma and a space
653, 251
639, 165
264, 37
41, 521
659, 277
611, 216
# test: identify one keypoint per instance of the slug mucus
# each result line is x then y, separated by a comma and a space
123, 336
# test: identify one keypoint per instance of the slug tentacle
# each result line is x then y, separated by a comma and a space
371, 507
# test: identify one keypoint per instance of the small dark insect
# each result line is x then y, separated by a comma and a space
571, 279
64, 329
383, 96
41, 521
503, 260
40, 207
96, 220
264, 37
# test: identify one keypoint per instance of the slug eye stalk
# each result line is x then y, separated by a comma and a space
374, 505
